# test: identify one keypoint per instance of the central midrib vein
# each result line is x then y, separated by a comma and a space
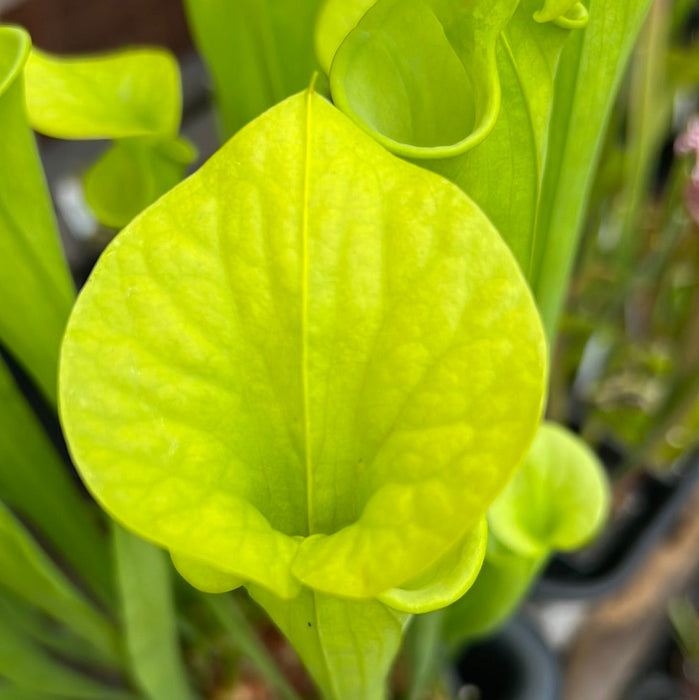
304, 310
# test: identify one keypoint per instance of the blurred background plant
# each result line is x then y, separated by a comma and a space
626, 369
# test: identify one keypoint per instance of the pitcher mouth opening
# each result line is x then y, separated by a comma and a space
419, 102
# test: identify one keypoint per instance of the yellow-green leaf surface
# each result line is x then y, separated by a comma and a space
310, 363
557, 500
258, 51
125, 93
35, 287
336, 19
530, 170
446, 580
501, 585
569, 14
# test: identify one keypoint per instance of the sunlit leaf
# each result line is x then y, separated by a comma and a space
446, 580
286, 372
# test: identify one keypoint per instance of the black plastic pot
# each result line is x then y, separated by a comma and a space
621, 548
514, 664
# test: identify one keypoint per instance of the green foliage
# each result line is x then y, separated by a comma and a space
590, 70
327, 422
127, 93
149, 618
35, 287
258, 51
500, 587
132, 174
132, 96
29, 573
311, 368
33, 674
36, 484
484, 95
347, 645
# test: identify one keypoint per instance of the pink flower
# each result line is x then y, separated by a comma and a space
688, 143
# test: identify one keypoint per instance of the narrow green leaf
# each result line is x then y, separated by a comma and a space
57, 639
587, 80
424, 647
149, 618
35, 286
315, 404
36, 483
649, 117
347, 646
33, 673
28, 573
258, 52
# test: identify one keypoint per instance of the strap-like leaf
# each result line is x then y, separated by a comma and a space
149, 618
35, 285
32, 673
27, 572
36, 483
258, 52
